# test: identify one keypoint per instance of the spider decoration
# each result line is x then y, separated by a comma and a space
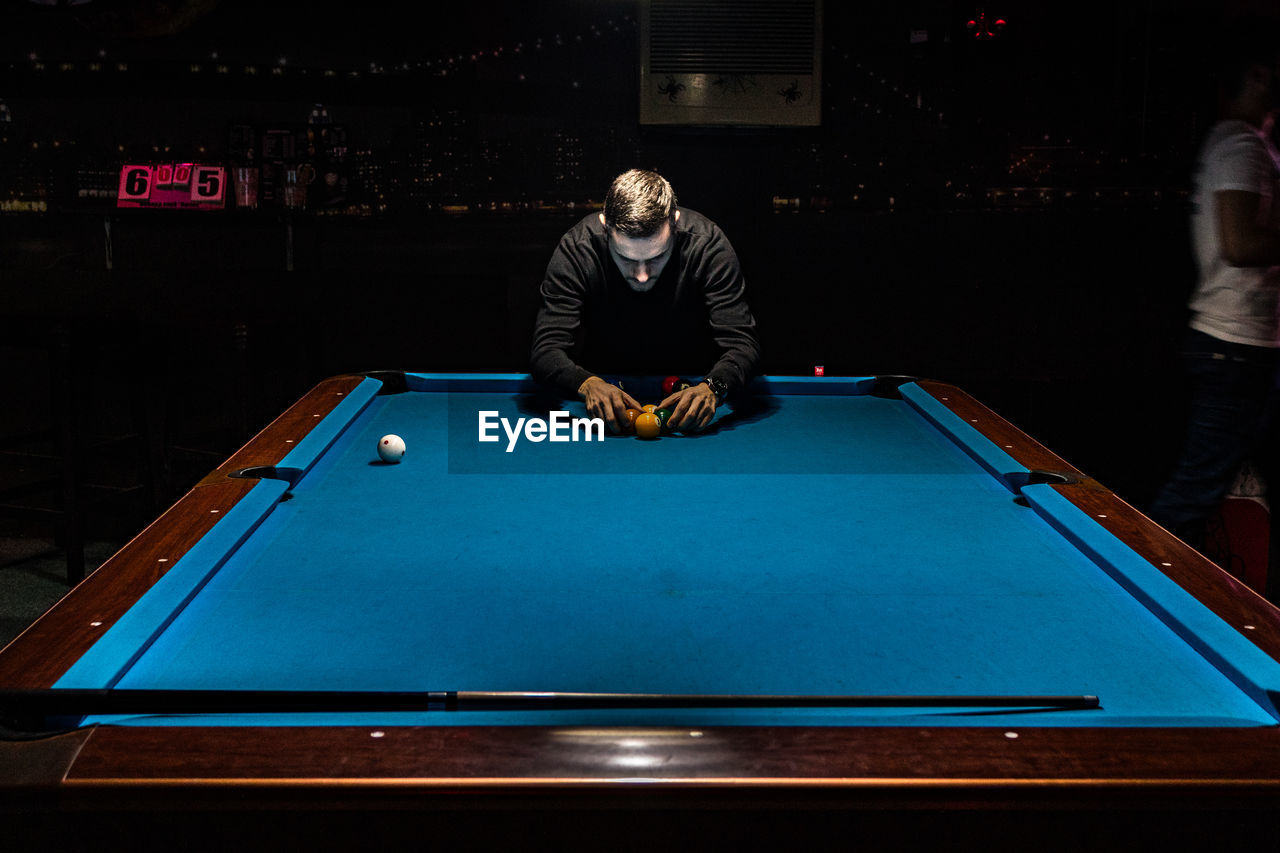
981, 28
671, 89
792, 93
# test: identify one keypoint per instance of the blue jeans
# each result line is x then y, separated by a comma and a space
1231, 421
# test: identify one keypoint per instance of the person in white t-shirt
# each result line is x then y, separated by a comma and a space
1232, 346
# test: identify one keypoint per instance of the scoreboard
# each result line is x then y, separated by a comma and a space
178, 186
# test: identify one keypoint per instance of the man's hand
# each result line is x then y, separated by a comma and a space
608, 402
692, 408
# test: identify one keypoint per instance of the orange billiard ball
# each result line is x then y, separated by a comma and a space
630, 424
648, 425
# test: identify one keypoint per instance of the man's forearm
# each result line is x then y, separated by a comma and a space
1252, 247
556, 369
1246, 242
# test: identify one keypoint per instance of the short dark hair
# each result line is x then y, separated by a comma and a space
1242, 43
638, 202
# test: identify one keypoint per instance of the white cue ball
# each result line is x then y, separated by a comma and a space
390, 448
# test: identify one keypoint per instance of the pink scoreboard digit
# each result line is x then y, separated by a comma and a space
178, 186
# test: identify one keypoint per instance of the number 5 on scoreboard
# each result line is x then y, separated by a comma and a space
209, 185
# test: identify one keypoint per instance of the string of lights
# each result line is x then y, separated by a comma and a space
513, 58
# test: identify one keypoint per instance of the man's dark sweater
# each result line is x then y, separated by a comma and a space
693, 322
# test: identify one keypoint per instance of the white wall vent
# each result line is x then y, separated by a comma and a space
731, 62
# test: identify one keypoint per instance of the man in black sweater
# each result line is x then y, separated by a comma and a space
641, 288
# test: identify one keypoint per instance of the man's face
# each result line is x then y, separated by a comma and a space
1264, 81
641, 259
1275, 84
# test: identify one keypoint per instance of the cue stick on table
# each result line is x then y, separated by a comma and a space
69, 701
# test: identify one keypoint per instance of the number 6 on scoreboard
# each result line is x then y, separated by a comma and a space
209, 184
135, 184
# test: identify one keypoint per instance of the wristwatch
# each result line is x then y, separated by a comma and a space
718, 387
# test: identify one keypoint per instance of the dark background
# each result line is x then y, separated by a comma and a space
1008, 214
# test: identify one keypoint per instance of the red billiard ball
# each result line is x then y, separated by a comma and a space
669, 384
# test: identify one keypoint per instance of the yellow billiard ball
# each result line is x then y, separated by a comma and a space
648, 425
651, 408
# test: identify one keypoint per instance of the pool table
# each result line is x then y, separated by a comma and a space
847, 595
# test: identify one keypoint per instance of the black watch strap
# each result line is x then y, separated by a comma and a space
718, 387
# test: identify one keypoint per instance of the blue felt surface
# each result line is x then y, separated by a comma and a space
827, 545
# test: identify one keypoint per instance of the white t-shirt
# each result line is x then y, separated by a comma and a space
1236, 304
